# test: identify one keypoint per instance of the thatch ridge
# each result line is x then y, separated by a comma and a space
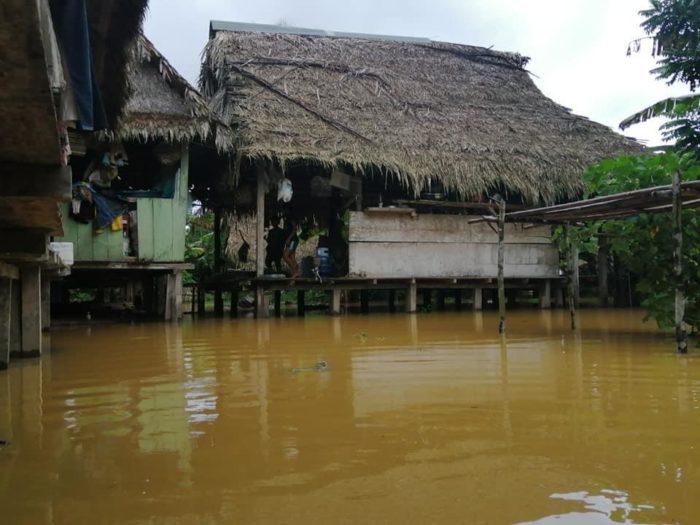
163, 105
468, 116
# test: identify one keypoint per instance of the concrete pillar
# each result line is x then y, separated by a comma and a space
335, 301
545, 292
5, 321
412, 297
478, 300
45, 303
31, 311
559, 296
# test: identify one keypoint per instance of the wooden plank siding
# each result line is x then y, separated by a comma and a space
386, 245
161, 229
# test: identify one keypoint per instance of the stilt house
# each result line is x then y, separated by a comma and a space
63, 66
131, 194
393, 146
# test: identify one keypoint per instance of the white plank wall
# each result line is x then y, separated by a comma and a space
387, 245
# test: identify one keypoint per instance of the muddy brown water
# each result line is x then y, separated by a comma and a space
415, 419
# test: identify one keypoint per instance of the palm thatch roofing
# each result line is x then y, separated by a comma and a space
415, 109
163, 105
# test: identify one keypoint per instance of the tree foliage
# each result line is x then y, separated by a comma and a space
644, 244
674, 26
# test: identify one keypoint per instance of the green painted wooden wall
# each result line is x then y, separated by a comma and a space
161, 229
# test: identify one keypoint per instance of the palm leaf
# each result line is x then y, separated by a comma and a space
671, 107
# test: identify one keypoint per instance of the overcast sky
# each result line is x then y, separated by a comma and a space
577, 47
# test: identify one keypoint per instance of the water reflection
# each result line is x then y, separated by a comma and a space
418, 418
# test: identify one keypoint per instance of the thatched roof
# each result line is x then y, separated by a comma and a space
468, 116
163, 105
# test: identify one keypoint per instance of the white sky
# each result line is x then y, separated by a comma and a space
577, 47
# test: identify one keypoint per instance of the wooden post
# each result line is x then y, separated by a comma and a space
441, 300
501, 264
679, 317
458, 299
260, 240
201, 299
559, 296
571, 273
45, 303
31, 311
16, 321
235, 292
218, 263
173, 296
301, 306
412, 297
602, 260
392, 301
261, 310
278, 303
478, 299
335, 301
427, 298
364, 301
545, 294
5, 321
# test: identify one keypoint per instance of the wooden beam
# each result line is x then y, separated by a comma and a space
679, 310
35, 180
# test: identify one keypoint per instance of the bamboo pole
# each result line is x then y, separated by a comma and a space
681, 337
501, 261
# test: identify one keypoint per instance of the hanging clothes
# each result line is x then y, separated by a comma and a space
73, 32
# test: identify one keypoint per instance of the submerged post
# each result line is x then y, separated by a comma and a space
501, 261
681, 337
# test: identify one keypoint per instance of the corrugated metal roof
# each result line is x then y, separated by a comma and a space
221, 25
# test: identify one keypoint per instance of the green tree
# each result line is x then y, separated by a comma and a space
644, 244
674, 28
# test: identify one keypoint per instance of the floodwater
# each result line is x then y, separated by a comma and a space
413, 419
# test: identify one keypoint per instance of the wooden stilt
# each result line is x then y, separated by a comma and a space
278, 303
301, 305
411, 297
602, 260
201, 299
31, 311
335, 301
235, 296
441, 300
5, 321
572, 255
218, 263
679, 310
501, 264
261, 308
364, 301
478, 299
458, 299
545, 292
392, 301
427, 298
